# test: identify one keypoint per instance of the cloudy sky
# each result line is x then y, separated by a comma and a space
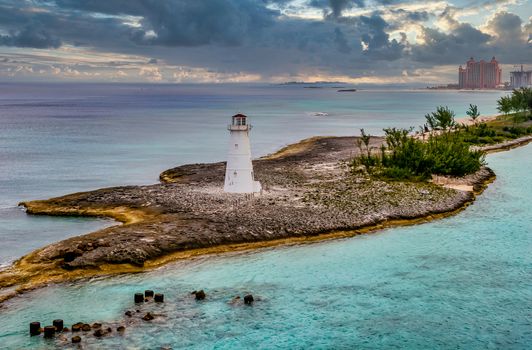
358, 41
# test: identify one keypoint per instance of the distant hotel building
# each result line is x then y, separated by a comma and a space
520, 78
479, 75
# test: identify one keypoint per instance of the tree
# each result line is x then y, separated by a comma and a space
518, 101
473, 113
527, 97
504, 104
442, 119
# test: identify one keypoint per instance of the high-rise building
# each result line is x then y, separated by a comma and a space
479, 75
520, 78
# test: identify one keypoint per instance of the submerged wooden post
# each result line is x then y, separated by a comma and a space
139, 298
200, 295
248, 299
49, 331
58, 324
159, 298
35, 328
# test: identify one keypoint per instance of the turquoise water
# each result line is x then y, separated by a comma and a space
462, 282
62, 138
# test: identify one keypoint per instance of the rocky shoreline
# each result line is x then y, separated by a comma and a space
309, 194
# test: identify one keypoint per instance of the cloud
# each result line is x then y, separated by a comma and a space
30, 36
151, 73
502, 36
246, 40
341, 41
506, 27
185, 22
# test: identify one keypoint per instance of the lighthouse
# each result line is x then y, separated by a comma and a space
239, 176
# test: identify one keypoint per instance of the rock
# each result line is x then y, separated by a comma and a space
96, 325
128, 313
35, 328
200, 295
248, 299
66, 329
108, 330
69, 256
235, 300
335, 199
121, 329
77, 327
148, 317
76, 339
86, 327
98, 333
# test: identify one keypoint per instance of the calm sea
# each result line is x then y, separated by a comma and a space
62, 138
464, 282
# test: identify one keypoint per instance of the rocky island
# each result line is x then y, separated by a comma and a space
310, 193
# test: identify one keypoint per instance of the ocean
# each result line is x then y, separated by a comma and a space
459, 282
463, 282
57, 139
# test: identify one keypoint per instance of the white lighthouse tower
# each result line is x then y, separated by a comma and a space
239, 170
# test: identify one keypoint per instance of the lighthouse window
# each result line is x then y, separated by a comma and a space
239, 121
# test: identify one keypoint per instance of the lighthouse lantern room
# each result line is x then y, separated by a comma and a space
239, 176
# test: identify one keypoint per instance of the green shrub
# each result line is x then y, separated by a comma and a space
410, 158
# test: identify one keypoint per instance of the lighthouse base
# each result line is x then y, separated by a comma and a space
250, 187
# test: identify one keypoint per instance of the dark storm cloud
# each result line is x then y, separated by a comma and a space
257, 36
340, 41
185, 22
336, 7
507, 41
447, 48
30, 36
410, 16
53, 26
373, 34
173, 23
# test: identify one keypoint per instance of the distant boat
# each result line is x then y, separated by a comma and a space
347, 90
321, 114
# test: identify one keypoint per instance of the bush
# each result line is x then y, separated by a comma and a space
452, 156
409, 158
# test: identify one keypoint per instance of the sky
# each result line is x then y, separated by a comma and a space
228, 41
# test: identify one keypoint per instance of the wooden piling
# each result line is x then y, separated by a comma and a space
248, 299
139, 298
200, 295
58, 324
35, 328
49, 331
